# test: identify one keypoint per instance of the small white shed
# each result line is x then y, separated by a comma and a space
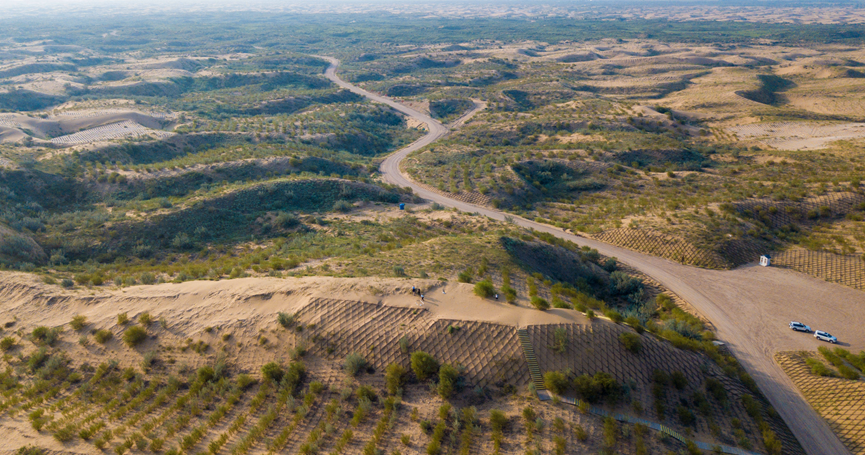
765, 260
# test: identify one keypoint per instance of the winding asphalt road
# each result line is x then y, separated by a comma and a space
749, 306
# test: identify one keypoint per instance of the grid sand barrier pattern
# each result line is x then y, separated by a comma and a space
99, 113
841, 402
844, 269
665, 246
489, 352
118, 130
470, 197
596, 348
777, 214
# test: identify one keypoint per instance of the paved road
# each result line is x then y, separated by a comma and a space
749, 306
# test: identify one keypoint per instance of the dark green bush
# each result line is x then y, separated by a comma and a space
135, 335
272, 372
102, 336
423, 365
631, 341
540, 303
484, 289
448, 377
556, 382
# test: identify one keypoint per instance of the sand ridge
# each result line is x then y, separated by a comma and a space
195, 305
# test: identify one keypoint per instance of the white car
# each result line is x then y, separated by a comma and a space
799, 327
825, 336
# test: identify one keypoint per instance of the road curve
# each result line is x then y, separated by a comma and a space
749, 306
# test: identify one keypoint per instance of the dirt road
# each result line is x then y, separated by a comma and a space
750, 306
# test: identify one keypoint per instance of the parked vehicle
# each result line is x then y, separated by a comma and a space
799, 327
825, 336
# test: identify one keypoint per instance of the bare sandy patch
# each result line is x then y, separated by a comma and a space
799, 135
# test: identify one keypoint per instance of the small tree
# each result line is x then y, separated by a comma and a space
423, 365
448, 376
394, 376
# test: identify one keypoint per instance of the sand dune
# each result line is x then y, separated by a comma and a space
72, 123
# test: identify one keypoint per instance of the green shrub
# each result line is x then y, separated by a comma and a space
614, 316
498, 421
122, 319
600, 386
78, 322
716, 389
285, 319
631, 341
394, 376
685, 415
484, 289
560, 340
423, 365
510, 293
354, 363
272, 372
819, 368
145, 319
556, 382
635, 323
581, 434
342, 206
680, 381
590, 314
6, 343
448, 376
611, 432
102, 336
135, 335
540, 303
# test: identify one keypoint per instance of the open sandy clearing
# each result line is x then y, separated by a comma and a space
799, 135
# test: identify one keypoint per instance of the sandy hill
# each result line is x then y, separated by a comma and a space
134, 400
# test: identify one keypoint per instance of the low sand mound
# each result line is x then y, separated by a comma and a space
11, 134
799, 135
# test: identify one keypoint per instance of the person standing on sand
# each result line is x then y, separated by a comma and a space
421, 297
